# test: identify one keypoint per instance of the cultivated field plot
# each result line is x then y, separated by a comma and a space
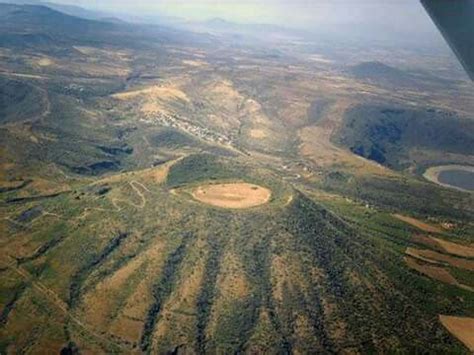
462, 328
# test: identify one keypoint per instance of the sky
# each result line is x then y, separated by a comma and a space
379, 20
292, 13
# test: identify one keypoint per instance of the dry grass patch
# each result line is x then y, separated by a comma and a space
109, 53
86, 50
131, 318
258, 133
41, 187
304, 335
233, 195
100, 303
154, 92
98, 69
153, 108
155, 175
316, 145
195, 63
44, 62
418, 224
283, 271
177, 319
280, 276
232, 282
264, 334
97, 64
7, 185
319, 58
461, 327
228, 97
223, 101
129, 323
155, 99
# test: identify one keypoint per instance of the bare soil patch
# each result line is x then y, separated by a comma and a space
455, 248
433, 272
461, 327
428, 241
232, 195
445, 246
436, 258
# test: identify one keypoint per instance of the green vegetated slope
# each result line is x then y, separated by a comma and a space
69, 138
384, 75
126, 265
399, 193
388, 133
40, 27
20, 101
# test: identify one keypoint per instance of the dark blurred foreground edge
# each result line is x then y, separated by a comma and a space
455, 20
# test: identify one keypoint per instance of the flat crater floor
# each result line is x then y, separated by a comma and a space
232, 195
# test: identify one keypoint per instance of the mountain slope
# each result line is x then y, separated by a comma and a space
389, 134
289, 275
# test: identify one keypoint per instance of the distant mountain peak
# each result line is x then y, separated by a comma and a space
219, 21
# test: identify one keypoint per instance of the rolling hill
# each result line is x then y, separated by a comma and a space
389, 134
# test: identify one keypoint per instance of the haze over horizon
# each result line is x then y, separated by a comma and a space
402, 22
404, 14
